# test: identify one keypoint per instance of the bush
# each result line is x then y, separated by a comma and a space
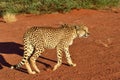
49, 6
105, 3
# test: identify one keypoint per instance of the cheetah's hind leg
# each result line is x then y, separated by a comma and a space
34, 57
29, 68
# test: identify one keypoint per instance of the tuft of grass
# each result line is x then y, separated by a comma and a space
9, 17
49, 6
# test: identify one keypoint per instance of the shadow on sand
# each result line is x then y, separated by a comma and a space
16, 48
9, 48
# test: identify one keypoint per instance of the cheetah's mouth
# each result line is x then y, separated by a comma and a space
86, 35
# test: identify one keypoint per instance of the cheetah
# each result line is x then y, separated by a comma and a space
37, 39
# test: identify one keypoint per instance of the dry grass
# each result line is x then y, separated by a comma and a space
9, 17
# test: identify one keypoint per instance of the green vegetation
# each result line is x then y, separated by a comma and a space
49, 6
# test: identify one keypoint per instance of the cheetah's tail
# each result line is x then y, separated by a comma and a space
19, 64
23, 61
28, 50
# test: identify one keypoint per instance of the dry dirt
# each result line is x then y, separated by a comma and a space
97, 57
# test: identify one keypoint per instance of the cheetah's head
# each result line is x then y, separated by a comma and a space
82, 31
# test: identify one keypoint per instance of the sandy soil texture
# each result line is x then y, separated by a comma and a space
97, 57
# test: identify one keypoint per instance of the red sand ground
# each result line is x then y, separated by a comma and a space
97, 57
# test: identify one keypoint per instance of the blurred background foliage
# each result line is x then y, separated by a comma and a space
49, 6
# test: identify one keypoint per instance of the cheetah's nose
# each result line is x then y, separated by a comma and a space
88, 34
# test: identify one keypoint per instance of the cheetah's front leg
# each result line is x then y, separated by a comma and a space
59, 57
69, 60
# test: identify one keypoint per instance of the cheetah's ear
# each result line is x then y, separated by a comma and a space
64, 25
77, 27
